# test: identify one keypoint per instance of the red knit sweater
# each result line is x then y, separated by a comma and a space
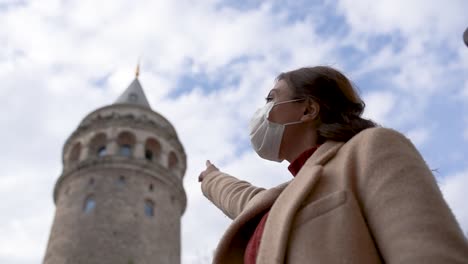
253, 245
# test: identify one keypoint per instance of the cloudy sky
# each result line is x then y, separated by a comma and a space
207, 66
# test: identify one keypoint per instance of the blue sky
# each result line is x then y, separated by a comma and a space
207, 67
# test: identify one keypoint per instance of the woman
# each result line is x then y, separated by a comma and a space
361, 193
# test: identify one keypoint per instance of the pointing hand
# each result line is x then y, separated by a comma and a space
209, 168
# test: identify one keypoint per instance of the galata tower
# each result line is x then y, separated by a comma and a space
120, 198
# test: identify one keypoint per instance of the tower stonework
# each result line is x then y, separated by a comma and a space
120, 198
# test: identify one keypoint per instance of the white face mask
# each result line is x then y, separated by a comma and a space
265, 135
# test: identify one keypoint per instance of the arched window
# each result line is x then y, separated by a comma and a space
98, 144
89, 204
152, 149
173, 161
149, 208
125, 150
126, 141
75, 152
148, 154
102, 151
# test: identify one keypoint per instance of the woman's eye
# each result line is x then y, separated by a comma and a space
268, 99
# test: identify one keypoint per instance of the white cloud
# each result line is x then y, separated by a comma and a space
413, 38
26, 211
418, 19
379, 106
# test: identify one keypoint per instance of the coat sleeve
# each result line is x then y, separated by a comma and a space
403, 205
228, 193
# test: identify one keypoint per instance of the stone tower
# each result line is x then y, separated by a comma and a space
119, 199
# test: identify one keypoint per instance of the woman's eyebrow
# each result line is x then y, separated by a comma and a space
274, 90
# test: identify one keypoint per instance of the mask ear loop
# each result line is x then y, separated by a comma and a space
290, 101
292, 123
284, 102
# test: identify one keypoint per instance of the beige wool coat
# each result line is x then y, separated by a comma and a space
370, 200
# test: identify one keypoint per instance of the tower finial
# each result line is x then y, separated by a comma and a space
137, 73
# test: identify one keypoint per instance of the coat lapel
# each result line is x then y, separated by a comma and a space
277, 228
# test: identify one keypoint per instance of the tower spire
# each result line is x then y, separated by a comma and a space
134, 93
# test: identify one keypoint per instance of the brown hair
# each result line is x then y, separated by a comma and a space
340, 105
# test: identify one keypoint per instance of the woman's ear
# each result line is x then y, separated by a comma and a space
311, 112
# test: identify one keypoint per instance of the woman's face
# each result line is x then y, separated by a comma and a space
287, 113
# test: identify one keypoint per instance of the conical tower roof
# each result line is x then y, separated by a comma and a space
134, 94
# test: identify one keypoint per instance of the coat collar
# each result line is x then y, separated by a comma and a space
325, 152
